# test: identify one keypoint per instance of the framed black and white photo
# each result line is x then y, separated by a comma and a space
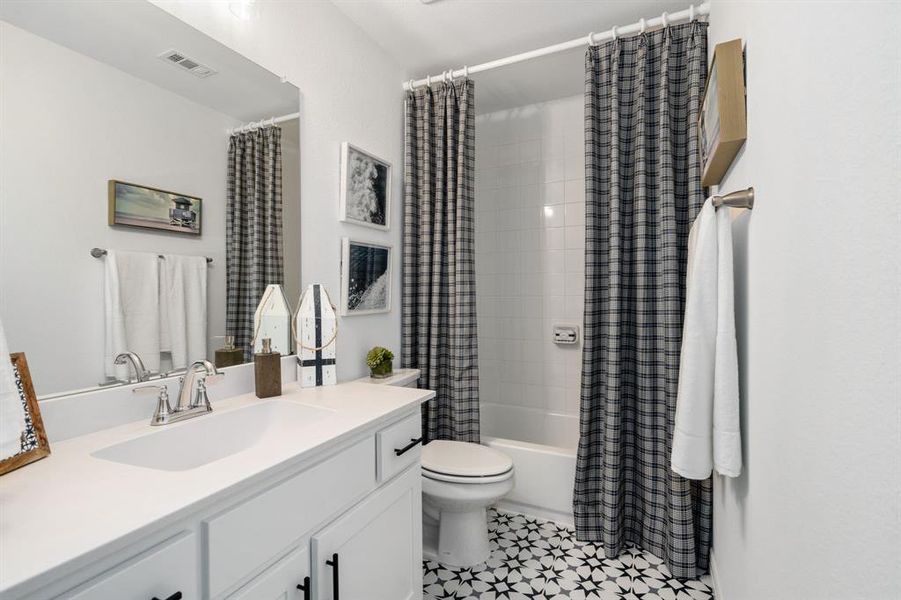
365, 197
365, 278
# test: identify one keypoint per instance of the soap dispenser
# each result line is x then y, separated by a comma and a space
268, 371
228, 355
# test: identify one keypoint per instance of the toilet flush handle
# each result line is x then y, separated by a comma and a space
413, 443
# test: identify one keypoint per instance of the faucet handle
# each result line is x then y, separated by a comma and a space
163, 410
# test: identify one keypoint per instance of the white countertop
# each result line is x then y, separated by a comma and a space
70, 504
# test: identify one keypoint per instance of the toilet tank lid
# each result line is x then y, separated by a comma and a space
464, 458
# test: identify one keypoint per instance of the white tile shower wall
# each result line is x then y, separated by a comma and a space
530, 239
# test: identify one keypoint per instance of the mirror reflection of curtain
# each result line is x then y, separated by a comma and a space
642, 192
253, 227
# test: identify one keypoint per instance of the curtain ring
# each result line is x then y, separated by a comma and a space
591, 41
613, 32
691, 13
444, 75
643, 25
665, 18
466, 71
411, 85
428, 80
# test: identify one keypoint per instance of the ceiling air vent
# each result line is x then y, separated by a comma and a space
197, 69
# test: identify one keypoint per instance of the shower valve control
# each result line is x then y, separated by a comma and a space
566, 334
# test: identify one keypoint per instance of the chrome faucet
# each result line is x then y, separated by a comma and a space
192, 397
141, 373
187, 387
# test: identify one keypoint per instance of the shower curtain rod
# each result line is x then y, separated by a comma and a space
592, 39
262, 122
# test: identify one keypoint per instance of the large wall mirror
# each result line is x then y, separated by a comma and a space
125, 132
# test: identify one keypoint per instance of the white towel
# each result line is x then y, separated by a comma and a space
183, 308
707, 433
12, 413
131, 304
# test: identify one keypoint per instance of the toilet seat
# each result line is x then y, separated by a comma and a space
464, 462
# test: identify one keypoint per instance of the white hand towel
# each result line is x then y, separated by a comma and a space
131, 302
12, 413
726, 429
706, 432
183, 308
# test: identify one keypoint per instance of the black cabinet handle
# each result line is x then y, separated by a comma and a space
305, 586
411, 445
175, 596
334, 565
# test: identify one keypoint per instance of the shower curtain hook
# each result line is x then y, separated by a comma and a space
691, 13
665, 18
428, 80
643, 25
444, 76
591, 41
466, 71
613, 32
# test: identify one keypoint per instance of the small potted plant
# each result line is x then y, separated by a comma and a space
379, 361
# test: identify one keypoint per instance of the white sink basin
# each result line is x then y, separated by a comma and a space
204, 439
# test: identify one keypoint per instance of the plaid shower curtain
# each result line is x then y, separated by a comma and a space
439, 293
643, 190
253, 227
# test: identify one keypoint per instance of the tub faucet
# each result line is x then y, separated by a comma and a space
137, 364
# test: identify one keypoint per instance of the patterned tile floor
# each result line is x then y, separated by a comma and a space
540, 560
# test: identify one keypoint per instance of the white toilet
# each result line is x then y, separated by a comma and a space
460, 481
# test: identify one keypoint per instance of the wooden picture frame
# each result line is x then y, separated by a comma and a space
722, 125
34, 442
365, 194
135, 205
365, 286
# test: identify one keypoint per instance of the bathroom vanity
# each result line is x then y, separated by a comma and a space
315, 494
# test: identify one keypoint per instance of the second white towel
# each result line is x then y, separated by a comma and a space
183, 308
707, 434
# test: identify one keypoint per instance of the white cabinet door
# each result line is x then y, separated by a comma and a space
280, 581
166, 571
374, 551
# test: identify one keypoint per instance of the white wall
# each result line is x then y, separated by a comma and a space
815, 514
69, 124
350, 91
530, 263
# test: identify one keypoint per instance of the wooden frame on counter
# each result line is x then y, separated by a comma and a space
34, 438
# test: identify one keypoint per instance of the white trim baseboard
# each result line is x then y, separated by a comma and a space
715, 579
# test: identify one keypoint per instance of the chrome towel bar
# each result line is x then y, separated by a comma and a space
741, 199
100, 252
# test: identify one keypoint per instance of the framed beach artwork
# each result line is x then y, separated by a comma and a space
135, 205
365, 197
365, 278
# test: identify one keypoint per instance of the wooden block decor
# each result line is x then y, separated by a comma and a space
723, 122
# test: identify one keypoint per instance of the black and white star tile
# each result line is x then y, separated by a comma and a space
533, 559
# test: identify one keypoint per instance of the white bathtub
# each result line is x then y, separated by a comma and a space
543, 448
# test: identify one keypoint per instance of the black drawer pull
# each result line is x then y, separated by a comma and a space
175, 596
305, 586
410, 446
334, 565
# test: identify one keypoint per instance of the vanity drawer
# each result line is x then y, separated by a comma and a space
244, 538
395, 446
161, 572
